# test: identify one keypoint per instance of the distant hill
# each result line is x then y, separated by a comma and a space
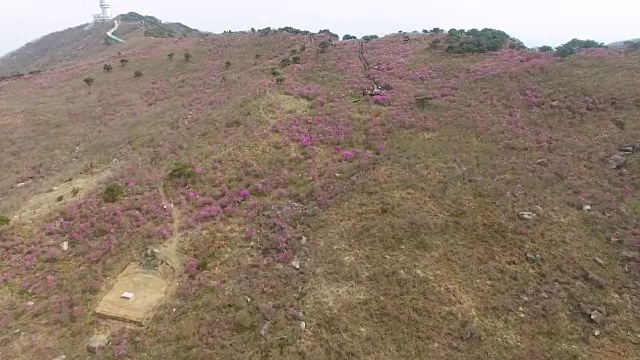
620, 44
87, 39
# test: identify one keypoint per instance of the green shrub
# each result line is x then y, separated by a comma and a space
4, 220
279, 79
368, 38
89, 81
187, 57
476, 41
575, 45
203, 264
181, 170
349, 37
113, 193
275, 72
422, 101
285, 62
328, 32
75, 191
137, 74
296, 59
171, 55
545, 49
60, 198
227, 64
107, 67
324, 45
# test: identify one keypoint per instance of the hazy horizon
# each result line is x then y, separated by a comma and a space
544, 22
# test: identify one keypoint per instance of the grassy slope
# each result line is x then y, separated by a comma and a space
412, 245
55, 48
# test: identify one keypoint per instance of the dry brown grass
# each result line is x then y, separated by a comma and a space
420, 254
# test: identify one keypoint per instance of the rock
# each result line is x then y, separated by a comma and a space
469, 331
302, 325
586, 207
617, 162
533, 258
19, 185
542, 162
30, 303
599, 261
65, 246
597, 332
303, 241
526, 215
296, 264
597, 317
265, 328
96, 344
627, 150
61, 357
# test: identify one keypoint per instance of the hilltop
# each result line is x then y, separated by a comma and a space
78, 43
285, 194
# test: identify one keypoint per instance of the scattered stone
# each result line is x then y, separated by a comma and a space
597, 317
533, 258
303, 241
469, 331
19, 185
302, 325
599, 261
61, 357
419, 273
30, 303
265, 328
65, 246
526, 215
96, 344
586, 207
619, 123
296, 264
627, 150
597, 332
617, 162
542, 162
248, 299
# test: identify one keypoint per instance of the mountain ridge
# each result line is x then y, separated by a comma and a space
74, 43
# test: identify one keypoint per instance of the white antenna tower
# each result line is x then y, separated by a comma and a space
105, 15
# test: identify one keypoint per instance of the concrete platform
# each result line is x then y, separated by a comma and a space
148, 290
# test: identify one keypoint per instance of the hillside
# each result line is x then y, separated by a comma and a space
77, 43
313, 198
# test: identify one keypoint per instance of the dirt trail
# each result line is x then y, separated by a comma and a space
169, 250
150, 285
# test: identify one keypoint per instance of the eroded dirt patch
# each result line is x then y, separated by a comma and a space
148, 289
43, 203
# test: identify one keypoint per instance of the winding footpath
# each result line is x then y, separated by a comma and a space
110, 32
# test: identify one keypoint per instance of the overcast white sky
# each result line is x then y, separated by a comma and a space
535, 22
